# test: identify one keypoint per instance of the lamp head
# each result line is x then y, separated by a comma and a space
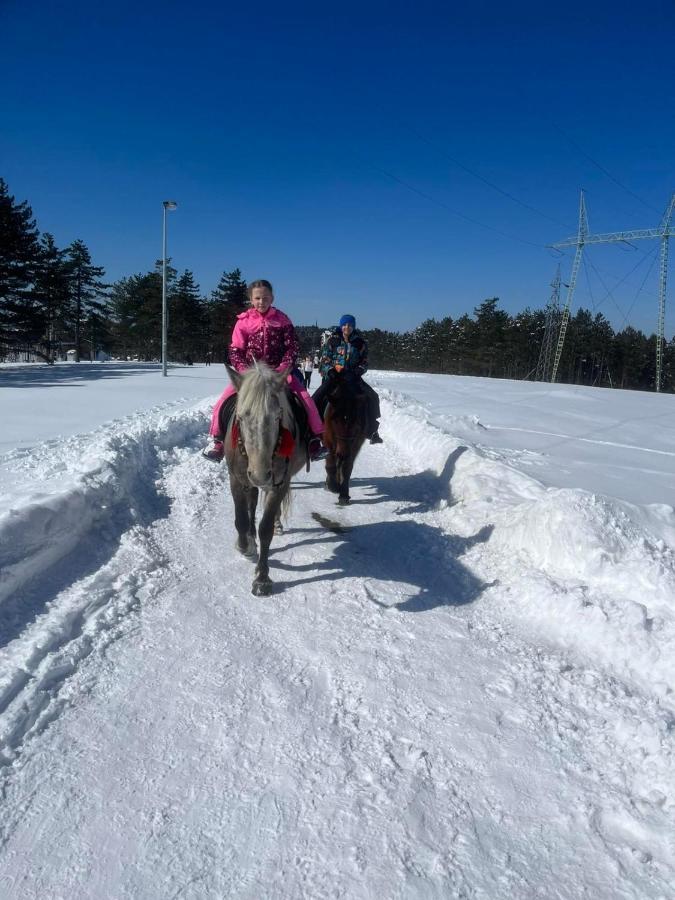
169, 204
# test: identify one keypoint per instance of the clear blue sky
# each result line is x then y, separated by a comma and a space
326, 147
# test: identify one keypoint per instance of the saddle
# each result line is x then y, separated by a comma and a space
225, 413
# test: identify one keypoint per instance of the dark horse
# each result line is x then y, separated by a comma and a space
263, 450
345, 430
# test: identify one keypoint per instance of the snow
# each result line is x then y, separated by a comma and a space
462, 685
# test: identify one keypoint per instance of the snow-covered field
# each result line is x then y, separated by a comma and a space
462, 685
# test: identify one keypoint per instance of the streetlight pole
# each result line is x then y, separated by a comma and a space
167, 204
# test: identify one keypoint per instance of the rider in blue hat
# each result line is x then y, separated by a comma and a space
347, 351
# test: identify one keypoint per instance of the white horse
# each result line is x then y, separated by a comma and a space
263, 450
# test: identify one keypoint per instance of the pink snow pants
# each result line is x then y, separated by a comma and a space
298, 388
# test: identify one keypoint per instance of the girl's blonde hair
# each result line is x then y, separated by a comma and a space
261, 283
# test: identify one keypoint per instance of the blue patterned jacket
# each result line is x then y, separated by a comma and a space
352, 355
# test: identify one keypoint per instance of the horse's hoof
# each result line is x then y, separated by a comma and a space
261, 588
343, 501
278, 528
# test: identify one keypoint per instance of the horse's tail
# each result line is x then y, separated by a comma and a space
286, 504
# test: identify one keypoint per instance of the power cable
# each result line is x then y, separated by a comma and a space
486, 181
644, 281
454, 212
604, 170
609, 293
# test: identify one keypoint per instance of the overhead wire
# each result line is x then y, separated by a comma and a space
644, 281
481, 178
454, 212
609, 292
603, 169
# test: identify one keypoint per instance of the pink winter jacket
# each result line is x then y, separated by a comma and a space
270, 338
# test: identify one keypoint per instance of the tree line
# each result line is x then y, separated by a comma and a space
494, 344
56, 300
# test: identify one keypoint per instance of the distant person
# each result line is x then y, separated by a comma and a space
265, 334
347, 351
209, 357
307, 369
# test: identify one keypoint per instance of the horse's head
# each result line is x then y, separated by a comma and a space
262, 412
346, 411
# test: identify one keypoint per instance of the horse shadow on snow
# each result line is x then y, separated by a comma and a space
421, 492
388, 558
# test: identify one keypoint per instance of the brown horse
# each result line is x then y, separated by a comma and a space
345, 430
263, 450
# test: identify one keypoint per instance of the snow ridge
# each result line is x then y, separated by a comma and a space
589, 574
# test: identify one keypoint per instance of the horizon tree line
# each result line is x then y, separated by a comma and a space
53, 300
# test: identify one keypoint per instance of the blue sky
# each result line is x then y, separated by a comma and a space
345, 154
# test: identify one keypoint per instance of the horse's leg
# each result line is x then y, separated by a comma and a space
345, 466
252, 500
331, 472
241, 498
245, 500
278, 525
262, 583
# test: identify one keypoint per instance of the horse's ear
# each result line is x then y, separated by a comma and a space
235, 377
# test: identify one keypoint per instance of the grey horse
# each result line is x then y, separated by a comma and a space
263, 450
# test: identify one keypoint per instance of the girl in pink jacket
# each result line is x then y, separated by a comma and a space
265, 334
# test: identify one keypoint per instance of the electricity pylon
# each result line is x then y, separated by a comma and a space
663, 232
552, 313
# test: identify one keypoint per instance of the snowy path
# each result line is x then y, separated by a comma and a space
394, 721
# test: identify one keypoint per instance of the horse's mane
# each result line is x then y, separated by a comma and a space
343, 395
259, 385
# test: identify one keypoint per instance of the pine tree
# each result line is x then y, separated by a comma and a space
187, 320
20, 317
136, 314
51, 292
227, 301
491, 327
88, 297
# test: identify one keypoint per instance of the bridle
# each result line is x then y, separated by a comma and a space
284, 447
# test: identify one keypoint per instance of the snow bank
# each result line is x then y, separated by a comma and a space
99, 483
592, 575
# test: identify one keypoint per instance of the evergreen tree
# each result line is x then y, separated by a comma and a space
444, 344
124, 309
136, 310
88, 297
309, 338
20, 316
489, 336
228, 300
628, 358
187, 320
51, 293
523, 342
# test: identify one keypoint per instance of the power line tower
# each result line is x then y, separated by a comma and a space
663, 232
548, 343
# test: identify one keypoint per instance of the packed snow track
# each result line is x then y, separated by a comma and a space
460, 687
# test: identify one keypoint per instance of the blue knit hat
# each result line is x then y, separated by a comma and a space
348, 320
